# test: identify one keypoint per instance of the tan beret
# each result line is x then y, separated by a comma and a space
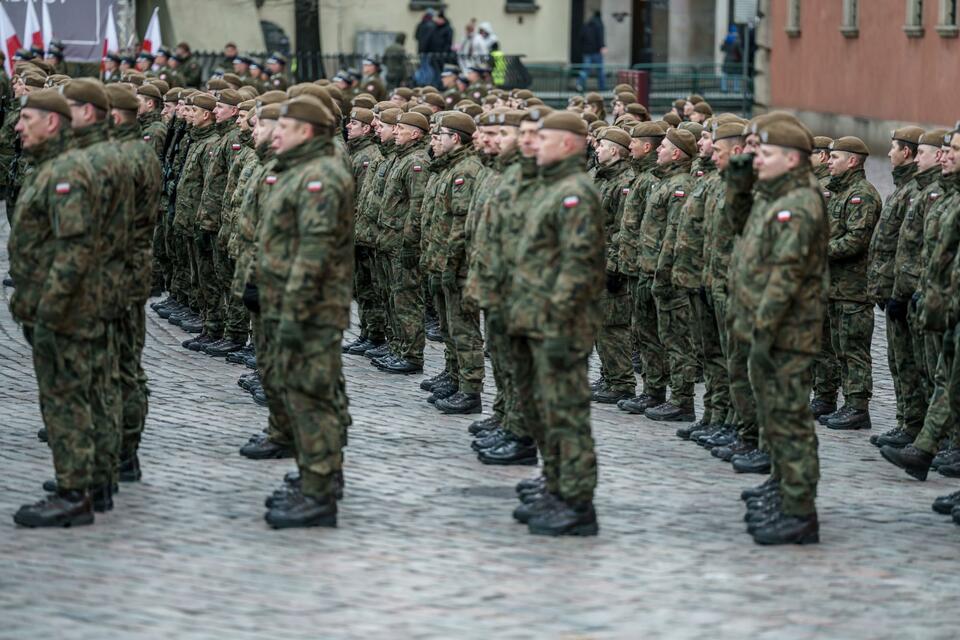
617, 136
232, 78
589, 118
86, 90
596, 126
423, 110
703, 108
470, 109
647, 130
121, 98
135, 78
785, 133
415, 120
623, 86
231, 97
511, 118
171, 96
249, 92
593, 98
533, 102
679, 103
910, 135
150, 90
34, 80
672, 119
726, 130
565, 121
933, 138
683, 140
162, 85
308, 109
822, 143
626, 97
523, 94
435, 99
217, 84
247, 105
850, 144
460, 122
693, 127
46, 100
272, 97
537, 113
362, 115
269, 111
390, 116
694, 98
490, 118
203, 100
637, 109
403, 92
364, 100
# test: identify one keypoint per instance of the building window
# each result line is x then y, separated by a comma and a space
913, 26
521, 6
851, 19
947, 21
793, 18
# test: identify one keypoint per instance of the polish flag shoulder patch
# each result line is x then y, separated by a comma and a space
270, 180
856, 200
826, 194
458, 182
366, 163
236, 146
570, 202
679, 193
62, 188
417, 168
934, 196
314, 186
625, 190
784, 216
700, 173
147, 138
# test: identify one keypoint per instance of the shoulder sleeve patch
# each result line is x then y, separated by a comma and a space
625, 190
570, 202
147, 138
856, 200
236, 146
270, 179
417, 168
314, 186
62, 188
458, 181
679, 193
934, 195
784, 216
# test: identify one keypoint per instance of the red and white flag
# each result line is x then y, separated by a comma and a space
32, 36
152, 39
9, 39
47, 26
111, 41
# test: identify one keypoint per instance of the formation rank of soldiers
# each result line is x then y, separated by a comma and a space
747, 254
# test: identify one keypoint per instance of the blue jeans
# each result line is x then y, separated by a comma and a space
592, 60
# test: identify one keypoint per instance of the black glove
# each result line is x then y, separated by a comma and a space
614, 281
897, 309
251, 297
914, 300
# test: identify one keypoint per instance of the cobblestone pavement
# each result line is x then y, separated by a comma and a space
426, 546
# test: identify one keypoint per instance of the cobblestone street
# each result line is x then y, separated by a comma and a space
426, 546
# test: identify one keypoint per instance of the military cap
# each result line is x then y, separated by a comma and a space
511, 118
134, 78
785, 133
703, 108
471, 109
490, 99
403, 92
533, 102
33, 80
323, 82
230, 97
146, 55
589, 118
364, 100
171, 96
909, 135
272, 97
121, 98
626, 97
523, 94
933, 138
309, 109
565, 121
423, 110
164, 51
683, 140
725, 130
450, 70
57, 79
162, 85
269, 111
46, 100
637, 109
624, 120
850, 144
679, 103
241, 59
56, 45
693, 127
822, 143
695, 98
130, 60
248, 92
596, 126
623, 86
574, 101
277, 58
247, 105
321, 94
435, 99
86, 90
460, 122
616, 135
203, 100
757, 122
383, 105
415, 120
361, 115
390, 116
536, 114
593, 98
490, 118
217, 84
647, 130
672, 119
232, 78
372, 61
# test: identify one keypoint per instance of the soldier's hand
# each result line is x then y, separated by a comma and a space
615, 281
290, 334
897, 309
740, 175
251, 297
760, 349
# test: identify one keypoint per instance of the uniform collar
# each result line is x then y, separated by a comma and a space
926, 178
48, 149
309, 150
673, 168
904, 173
841, 182
91, 134
128, 131
562, 169
782, 184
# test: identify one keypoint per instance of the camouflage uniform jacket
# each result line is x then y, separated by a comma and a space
221, 156
55, 241
456, 191
634, 206
116, 207
821, 173
909, 262
558, 277
940, 248
516, 197
9, 142
372, 192
718, 237
433, 227
613, 183
175, 156
244, 163
779, 275
154, 131
883, 246
190, 72
146, 177
664, 203
193, 175
690, 231
305, 248
399, 219
487, 181
853, 209
248, 221
364, 152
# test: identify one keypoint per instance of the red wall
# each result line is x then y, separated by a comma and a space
881, 74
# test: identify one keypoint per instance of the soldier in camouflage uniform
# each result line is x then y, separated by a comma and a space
907, 383
305, 267
854, 208
778, 282
187, 66
399, 243
53, 249
153, 130
365, 155
553, 320
674, 315
938, 315
145, 166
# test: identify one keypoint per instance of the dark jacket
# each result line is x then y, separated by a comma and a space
424, 29
591, 36
441, 39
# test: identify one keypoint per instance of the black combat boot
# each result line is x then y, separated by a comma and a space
430, 383
636, 406
610, 396
896, 437
42, 434
65, 509
787, 529
849, 420
486, 424
346, 346
771, 484
912, 460
490, 440
565, 519
528, 510
265, 449
377, 352
821, 407
102, 498
531, 484
945, 504
303, 511
669, 412
755, 461
513, 451
460, 403
443, 390
130, 468
223, 348
402, 367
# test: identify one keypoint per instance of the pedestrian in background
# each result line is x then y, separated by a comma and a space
593, 45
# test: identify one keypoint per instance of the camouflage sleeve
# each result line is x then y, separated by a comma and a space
145, 220
581, 262
416, 186
461, 193
791, 233
738, 199
214, 185
662, 276
72, 205
861, 217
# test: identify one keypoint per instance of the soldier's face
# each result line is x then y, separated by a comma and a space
473, 77
223, 112
705, 145
841, 161
640, 147
667, 152
951, 159
145, 105
752, 143
35, 127
448, 81
489, 138
263, 131
448, 141
436, 145
606, 152
688, 110
161, 60
528, 140
369, 70
618, 108
386, 132
898, 155
356, 129
722, 150
242, 121
558, 145
698, 117
772, 162
507, 139
405, 134
169, 109
928, 157
290, 134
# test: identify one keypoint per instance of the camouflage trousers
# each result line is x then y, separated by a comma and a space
279, 422
615, 341
209, 291
716, 398
236, 318
451, 365
407, 305
463, 327
384, 276
180, 249
314, 394
505, 402
826, 368
718, 297
907, 381
944, 408
741, 390
851, 331
652, 353
131, 333
365, 291
162, 267
932, 346
789, 434
675, 320
554, 398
